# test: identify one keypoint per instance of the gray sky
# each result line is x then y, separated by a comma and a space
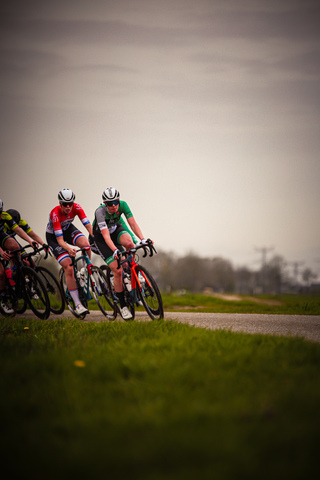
205, 115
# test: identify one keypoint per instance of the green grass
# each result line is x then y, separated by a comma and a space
287, 304
156, 400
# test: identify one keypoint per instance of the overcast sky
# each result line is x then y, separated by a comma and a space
204, 114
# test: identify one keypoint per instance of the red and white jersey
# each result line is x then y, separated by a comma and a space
59, 221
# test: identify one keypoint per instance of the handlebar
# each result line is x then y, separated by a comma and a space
82, 250
148, 249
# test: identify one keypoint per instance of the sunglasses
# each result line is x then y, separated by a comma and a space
67, 204
114, 202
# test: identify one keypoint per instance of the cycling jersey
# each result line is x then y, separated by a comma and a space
22, 224
6, 219
103, 219
59, 222
7, 222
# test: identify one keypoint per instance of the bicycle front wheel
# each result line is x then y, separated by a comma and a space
149, 294
57, 303
101, 293
127, 295
35, 293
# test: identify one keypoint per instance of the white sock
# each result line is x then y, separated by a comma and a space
75, 296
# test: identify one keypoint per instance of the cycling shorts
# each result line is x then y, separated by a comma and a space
99, 246
3, 238
70, 235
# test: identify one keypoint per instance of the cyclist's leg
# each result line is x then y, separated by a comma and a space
125, 240
10, 244
64, 260
81, 241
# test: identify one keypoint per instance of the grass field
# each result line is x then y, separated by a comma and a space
155, 400
275, 304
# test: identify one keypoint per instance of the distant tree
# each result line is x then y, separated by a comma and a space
308, 276
222, 276
244, 280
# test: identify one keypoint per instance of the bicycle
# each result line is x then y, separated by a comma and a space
23, 287
91, 283
138, 283
56, 298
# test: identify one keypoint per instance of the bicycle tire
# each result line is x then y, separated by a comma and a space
150, 294
127, 295
56, 298
18, 302
68, 299
35, 293
101, 293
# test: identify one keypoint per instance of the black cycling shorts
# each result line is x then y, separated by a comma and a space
70, 235
99, 246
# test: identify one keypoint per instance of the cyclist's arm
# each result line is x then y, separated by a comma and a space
4, 254
35, 237
89, 228
71, 250
23, 235
135, 228
106, 236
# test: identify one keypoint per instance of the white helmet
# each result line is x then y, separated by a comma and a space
110, 194
66, 195
1, 205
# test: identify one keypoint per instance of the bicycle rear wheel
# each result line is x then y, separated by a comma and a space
101, 293
36, 293
68, 299
56, 298
149, 294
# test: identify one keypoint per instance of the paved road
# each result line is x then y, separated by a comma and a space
307, 326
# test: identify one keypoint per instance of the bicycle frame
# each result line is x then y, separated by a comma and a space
144, 289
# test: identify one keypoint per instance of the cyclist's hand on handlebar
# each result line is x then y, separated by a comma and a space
116, 254
146, 242
72, 252
5, 255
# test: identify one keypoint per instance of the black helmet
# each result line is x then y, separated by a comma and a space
15, 215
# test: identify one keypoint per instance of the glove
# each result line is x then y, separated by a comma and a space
143, 241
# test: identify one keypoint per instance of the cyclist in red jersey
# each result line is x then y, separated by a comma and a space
61, 233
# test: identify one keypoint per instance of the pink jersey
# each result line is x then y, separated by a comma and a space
58, 221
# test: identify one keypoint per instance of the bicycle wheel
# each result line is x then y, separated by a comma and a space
57, 302
101, 293
149, 294
36, 293
18, 302
127, 295
68, 299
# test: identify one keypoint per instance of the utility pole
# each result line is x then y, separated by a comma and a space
264, 251
296, 266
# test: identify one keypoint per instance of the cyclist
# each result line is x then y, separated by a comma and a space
7, 242
60, 233
22, 224
110, 235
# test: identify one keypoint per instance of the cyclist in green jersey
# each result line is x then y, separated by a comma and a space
110, 234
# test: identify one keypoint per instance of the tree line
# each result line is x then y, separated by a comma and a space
217, 274
195, 274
